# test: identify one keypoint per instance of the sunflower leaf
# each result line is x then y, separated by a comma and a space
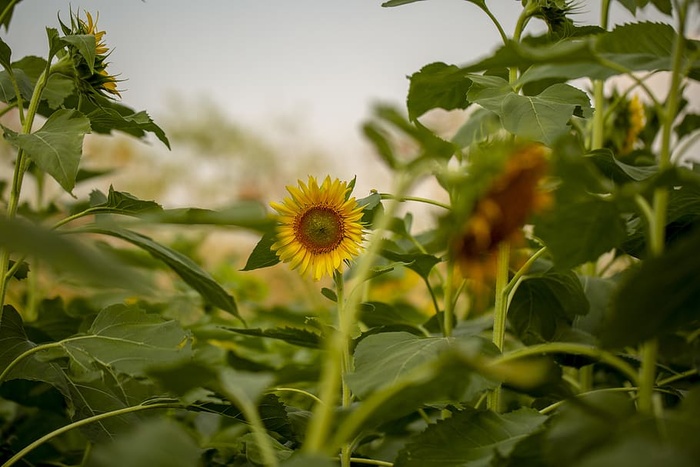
262, 255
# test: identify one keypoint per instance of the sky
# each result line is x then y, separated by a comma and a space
322, 64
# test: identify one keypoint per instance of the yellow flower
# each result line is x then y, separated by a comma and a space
91, 28
319, 227
636, 122
501, 212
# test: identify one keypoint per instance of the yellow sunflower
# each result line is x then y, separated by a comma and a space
319, 227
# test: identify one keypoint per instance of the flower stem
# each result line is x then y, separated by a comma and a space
499, 314
331, 372
87, 421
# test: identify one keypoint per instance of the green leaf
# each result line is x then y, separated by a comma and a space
188, 270
639, 46
86, 45
618, 171
489, 91
437, 85
247, 214
57, 146
573, 238
659, 297
375, 314
480, 125
294, 336
129, 340
329, 294
262, 256
544, 117
77, 259
108, 115
470, 437
421, 263
158, 441
121, 202
5, 55
546, 304
8, 7
380, 139
57, 90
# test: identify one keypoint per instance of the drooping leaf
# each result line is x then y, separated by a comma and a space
77, 259
295, 336
262, 255
121, 202
109, 116
437, 85
57, 146
190, 272
545, 305
470, 437
661, 296
421, 263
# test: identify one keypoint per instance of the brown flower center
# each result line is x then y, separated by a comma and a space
320, 229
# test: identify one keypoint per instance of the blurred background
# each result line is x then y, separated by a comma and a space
254, 94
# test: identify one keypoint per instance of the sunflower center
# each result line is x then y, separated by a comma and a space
320, 229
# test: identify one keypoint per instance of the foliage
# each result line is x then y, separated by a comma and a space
562, 325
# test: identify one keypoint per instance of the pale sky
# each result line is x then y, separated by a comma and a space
319, 63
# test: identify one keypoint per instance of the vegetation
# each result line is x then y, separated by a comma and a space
549, 316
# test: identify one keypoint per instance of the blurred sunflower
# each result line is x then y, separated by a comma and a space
500, 213
87, 67
319, 227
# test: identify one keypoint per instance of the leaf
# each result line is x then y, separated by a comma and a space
109, 116
659, 297
93, 266
544, 304
618, 171
5, 55
188, 270
573, 238
262, 256
489, 91
479, 126
294, 336
57, 146
86, 45
437, 85
120, 202
470, 437
158, 441
639, 46
543, 117
329, 294
130, 340
421, 263
375, 314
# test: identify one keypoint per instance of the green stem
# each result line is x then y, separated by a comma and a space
517, 277
494, 20
323, 413
241, 400
18, 359
417, 199
359, 460
598, 131
87, 421
500, 313
649, 350
21, 165
346, 362
448, 313
298, 391
573, 349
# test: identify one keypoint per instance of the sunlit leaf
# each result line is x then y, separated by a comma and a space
190, 272
469, 437
57, 146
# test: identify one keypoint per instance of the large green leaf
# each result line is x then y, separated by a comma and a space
544, 306
188, 270
107, 115
544, 117
129, 340
437, 85
57, 146
661, 296
639, 46
157, 442
470, 438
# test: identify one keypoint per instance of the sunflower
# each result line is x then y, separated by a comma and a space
319, 227
501, 212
